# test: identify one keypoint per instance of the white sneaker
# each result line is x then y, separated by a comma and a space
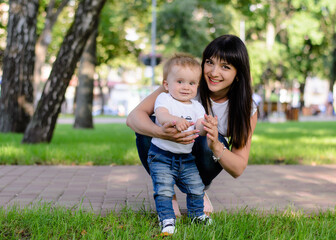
203, 219
168, 226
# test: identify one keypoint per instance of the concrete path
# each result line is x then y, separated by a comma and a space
106, 188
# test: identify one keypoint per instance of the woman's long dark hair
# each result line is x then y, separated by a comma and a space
232, 50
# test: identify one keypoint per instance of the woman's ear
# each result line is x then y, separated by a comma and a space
165, 84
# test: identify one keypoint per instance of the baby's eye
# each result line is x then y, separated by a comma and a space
192, 83
179, 81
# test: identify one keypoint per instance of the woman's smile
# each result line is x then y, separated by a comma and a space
214, 81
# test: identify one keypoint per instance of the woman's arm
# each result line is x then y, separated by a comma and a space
235, 161
139, 121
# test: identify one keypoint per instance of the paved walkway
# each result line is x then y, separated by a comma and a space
105, 188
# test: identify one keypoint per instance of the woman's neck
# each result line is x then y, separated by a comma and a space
218, 98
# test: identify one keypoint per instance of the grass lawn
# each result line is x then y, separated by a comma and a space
114, 144
47, 222
280, 143
309, 143
106, 144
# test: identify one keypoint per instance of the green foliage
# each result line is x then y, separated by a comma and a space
301, 27
43, 8
118, 19
305, 41
45, 221
60, 29
190, 31
269, 65
3, 33
303, 34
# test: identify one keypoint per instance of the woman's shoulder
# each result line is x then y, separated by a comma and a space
254, 108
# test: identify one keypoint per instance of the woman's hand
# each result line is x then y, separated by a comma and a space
210, 126
169, 132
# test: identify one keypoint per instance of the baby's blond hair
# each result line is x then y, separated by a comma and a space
180, 59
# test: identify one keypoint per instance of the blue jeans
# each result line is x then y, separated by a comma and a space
168, 169
208, 169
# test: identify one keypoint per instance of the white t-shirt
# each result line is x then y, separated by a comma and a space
192, 112
221, 110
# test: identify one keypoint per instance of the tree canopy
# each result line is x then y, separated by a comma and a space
301, 32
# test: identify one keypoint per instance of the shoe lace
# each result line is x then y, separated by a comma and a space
203, 217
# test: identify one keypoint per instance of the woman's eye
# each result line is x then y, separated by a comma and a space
208, 61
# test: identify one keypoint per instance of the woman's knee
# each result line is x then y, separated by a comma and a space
143, 144
207, 167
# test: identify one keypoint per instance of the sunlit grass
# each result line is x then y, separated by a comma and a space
106, 144
309, 143
294, 143
45, 221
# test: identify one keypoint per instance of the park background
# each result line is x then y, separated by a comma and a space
55, 62
291, 44
83, 60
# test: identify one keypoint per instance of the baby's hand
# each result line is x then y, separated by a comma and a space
182, 124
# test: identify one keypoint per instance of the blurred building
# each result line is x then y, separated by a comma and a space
315, 96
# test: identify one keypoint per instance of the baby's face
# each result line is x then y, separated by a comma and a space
182, 82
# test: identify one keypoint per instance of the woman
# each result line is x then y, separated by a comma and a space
226, 94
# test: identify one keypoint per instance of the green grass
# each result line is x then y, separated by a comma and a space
273, 143
307, 143
44, 221
106, 144
290, 143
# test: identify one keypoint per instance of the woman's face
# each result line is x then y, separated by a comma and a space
218, 75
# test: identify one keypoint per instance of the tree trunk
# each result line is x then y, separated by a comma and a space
101, 94
42, 125
333, 66
44, 40
17, 94
84, 93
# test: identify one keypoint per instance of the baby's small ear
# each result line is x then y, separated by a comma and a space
165, 84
